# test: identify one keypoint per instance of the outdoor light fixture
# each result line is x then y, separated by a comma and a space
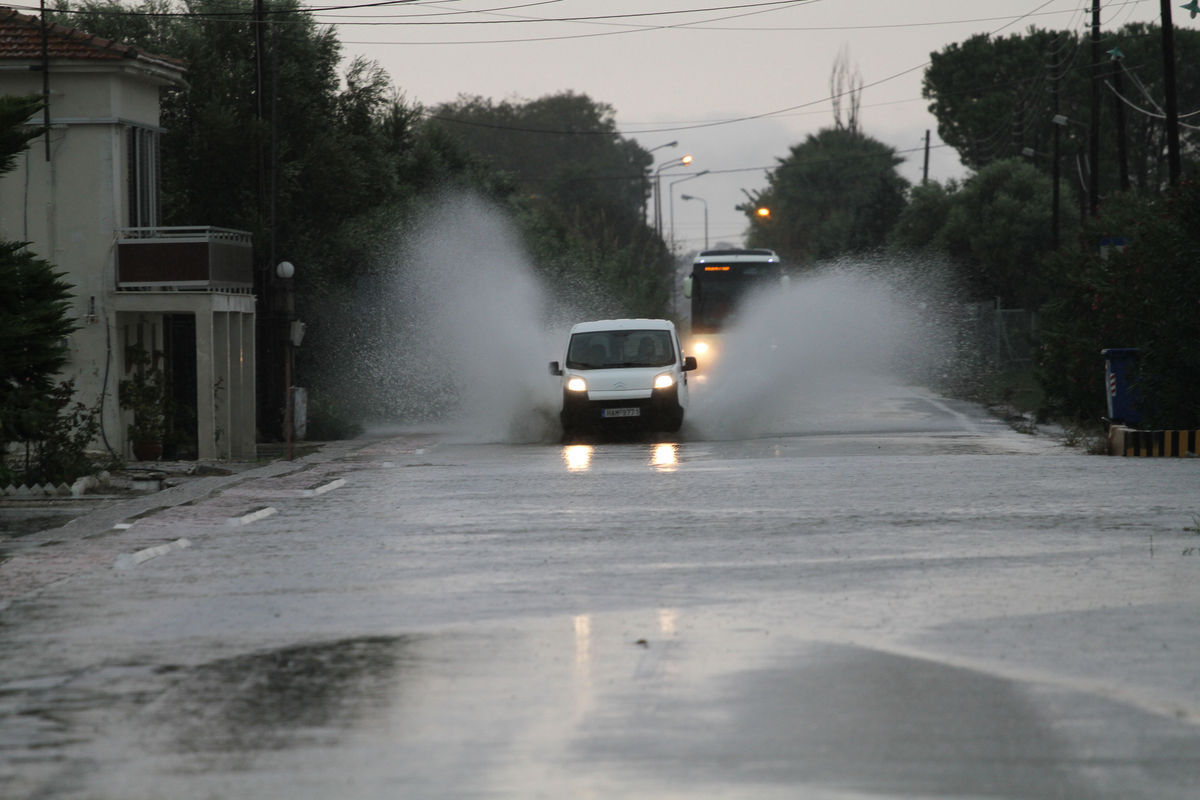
296, 332
285, 269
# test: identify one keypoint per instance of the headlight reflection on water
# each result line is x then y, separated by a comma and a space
577, 457
665, 457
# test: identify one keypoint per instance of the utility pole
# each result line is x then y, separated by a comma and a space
1172, 107
1054, 167
925, 171
1094, 130
1119, 108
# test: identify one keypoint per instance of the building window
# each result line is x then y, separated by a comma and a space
144, 164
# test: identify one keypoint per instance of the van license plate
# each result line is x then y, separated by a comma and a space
610, 413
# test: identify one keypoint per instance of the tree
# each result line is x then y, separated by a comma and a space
33, 317
34, 321
845, 84
995, 228
581, 187
837, 192
1147, 296
994, 98
919, 226
564, 151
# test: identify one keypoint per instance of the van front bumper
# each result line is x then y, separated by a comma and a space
659, 410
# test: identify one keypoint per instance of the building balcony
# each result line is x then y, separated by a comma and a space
189, 259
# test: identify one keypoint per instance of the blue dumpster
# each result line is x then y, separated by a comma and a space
1120, 373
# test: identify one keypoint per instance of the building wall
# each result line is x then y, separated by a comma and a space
69, 207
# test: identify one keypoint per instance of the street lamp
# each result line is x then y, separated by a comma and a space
285, 270
1061, 121
702, 200
651, 150
671, 201
679, 162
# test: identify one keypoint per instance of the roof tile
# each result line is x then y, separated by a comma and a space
21, 39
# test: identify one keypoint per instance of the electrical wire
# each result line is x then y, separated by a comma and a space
1151, 114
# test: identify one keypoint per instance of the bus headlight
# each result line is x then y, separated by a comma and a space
576, 384
664, 381
700, 348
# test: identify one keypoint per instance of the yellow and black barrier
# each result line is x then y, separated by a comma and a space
1124, 441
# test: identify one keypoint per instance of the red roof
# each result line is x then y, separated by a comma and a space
21, 39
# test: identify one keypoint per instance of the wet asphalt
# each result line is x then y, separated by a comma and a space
910, 601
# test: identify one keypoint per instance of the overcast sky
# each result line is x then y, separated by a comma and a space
735, 82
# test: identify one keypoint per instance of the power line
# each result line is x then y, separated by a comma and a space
410, 22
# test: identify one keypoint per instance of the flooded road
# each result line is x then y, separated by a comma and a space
907, 600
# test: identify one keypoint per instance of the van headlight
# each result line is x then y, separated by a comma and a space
576, 384
664, 381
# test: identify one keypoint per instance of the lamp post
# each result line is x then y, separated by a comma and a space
705, 202
679, 162
285, 270
1061, 121
651, 150
671, 201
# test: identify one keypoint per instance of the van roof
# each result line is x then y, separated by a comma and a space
728, 256
624, 324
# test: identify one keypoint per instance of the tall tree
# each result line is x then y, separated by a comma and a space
994, 98
995, 227
837, 192
1146, 296
564, 150
34, 308
581, 184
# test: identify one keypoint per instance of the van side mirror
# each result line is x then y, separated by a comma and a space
689, 363
555, 369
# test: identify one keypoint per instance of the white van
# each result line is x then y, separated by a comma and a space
623, 372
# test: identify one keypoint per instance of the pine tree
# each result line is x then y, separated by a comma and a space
33, 308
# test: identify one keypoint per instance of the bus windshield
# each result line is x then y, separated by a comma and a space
718, 288
618, 349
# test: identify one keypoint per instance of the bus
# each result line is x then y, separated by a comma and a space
719, 282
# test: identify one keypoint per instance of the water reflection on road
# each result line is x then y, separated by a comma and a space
662, 456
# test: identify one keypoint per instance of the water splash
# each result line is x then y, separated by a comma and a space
454, 331
462, 329
817, 357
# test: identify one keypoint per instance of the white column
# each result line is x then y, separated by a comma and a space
206, 421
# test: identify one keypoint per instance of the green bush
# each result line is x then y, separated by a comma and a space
58, 453
1147, 296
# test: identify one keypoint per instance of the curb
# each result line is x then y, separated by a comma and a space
1131, 442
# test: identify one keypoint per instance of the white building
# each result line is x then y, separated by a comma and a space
86, 200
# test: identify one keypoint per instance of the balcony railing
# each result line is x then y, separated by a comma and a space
185, 259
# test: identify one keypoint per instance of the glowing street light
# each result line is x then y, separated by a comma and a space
679, 162
762, 212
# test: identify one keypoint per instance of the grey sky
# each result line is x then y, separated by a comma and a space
670, 75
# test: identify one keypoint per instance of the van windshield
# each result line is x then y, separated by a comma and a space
617, 349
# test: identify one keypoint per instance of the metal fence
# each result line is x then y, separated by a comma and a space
1002, 338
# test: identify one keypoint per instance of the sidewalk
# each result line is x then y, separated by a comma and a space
91, 532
